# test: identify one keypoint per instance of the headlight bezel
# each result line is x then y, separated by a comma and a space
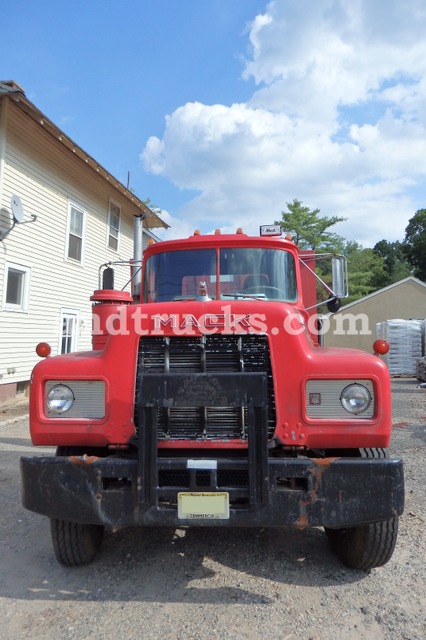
90, 396
329, 408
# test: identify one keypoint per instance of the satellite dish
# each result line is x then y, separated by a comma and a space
17, 208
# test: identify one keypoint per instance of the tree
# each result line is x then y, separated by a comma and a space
309, 229
155, 208
415, 243
395, 261
366, 269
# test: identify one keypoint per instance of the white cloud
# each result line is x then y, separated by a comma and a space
178, 228
338, 120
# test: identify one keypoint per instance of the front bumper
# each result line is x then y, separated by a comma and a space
117, 492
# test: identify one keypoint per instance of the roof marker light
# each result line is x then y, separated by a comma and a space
197, 232
239, 230
217, 232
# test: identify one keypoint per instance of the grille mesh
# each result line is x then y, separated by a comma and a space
205, 354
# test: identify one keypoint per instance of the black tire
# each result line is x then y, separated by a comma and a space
75, 544
365, 546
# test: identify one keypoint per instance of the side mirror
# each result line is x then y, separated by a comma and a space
340, 277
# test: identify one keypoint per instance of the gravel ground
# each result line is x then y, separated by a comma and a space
212, 583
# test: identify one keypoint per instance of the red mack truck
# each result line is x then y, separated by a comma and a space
208, 401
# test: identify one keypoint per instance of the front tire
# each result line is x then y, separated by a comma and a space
365, 546
75, 544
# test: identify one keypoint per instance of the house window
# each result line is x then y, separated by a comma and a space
75, 235
68, 340
114, 214
16, 287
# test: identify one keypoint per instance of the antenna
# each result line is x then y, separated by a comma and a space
17, 208
18, 215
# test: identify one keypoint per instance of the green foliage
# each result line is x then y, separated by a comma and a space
369, 269
396, 264
366, 269
415, 243
309, 229
151, 205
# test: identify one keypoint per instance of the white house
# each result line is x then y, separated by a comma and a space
62, 215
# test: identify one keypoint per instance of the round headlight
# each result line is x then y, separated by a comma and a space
355, 398
60, 398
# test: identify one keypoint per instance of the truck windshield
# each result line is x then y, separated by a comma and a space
266, 274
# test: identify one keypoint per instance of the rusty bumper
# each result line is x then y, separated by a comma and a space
331, 492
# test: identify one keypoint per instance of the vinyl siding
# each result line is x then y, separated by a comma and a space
47, 177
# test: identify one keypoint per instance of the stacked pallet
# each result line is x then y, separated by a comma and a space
405, 338
421, 369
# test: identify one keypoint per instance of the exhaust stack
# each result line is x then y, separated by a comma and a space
137, 256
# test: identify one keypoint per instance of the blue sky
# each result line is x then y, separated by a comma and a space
225, 110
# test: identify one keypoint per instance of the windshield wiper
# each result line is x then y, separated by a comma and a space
237, 294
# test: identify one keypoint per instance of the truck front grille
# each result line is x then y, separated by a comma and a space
205, 354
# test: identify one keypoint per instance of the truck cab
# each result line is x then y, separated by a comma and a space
207, 401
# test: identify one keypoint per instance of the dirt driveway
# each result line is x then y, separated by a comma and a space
213, 583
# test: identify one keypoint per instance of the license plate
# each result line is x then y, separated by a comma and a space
203, 506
